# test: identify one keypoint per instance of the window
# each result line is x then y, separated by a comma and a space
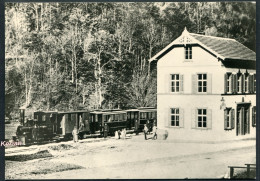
43, 117
229, 77
202, 82
188, 52
202, 118
175, 117
175, 79
143, 115
229, 118
254, 116
231, 83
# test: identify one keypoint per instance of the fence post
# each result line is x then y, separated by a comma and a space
248, 171
231, 172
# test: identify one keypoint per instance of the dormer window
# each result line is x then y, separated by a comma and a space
188, 52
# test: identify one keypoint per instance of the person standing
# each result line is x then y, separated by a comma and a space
154, 132
136, 127
119, 134
105, 130
116, 134
123, 133
148, 127
75, 134
145, 132
35, 132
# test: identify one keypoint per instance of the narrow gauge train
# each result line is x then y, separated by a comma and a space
48, 125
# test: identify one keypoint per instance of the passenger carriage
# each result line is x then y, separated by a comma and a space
147, 116
66, 122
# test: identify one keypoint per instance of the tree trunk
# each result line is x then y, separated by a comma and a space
99, 81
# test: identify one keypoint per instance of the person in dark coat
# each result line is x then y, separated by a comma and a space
35, 132
119, 134
145, 132
136, 127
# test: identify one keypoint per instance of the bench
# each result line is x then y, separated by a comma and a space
248, 167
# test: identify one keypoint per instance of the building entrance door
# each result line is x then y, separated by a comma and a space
243, 119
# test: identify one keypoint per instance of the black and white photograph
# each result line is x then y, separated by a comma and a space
130, 90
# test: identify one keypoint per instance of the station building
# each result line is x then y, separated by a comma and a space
206, 89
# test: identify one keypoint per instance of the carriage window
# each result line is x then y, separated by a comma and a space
143, 115
136, 116
116, 117
44, 118
153, 114
106, 118
112, 117
149, 115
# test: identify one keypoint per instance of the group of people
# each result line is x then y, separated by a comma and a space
154, 131
120, 134
75, 131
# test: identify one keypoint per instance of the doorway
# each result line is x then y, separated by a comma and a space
243, 119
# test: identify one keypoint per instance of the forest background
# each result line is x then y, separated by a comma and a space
69, 56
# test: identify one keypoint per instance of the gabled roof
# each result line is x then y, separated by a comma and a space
223, 48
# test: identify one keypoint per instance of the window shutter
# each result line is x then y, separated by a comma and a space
185, 49
248, 121
168, 119
193, 118
253, 117
181, 84
168, 83
242, 83
232, 118
225, 119
251, 83
209, 83
181, 121
232, 83
254, 78
225, 83
234, 90
194, 84
209, 118
242, 120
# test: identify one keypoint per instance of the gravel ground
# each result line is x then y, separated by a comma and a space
134, 158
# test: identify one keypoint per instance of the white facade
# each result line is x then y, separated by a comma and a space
189, 104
